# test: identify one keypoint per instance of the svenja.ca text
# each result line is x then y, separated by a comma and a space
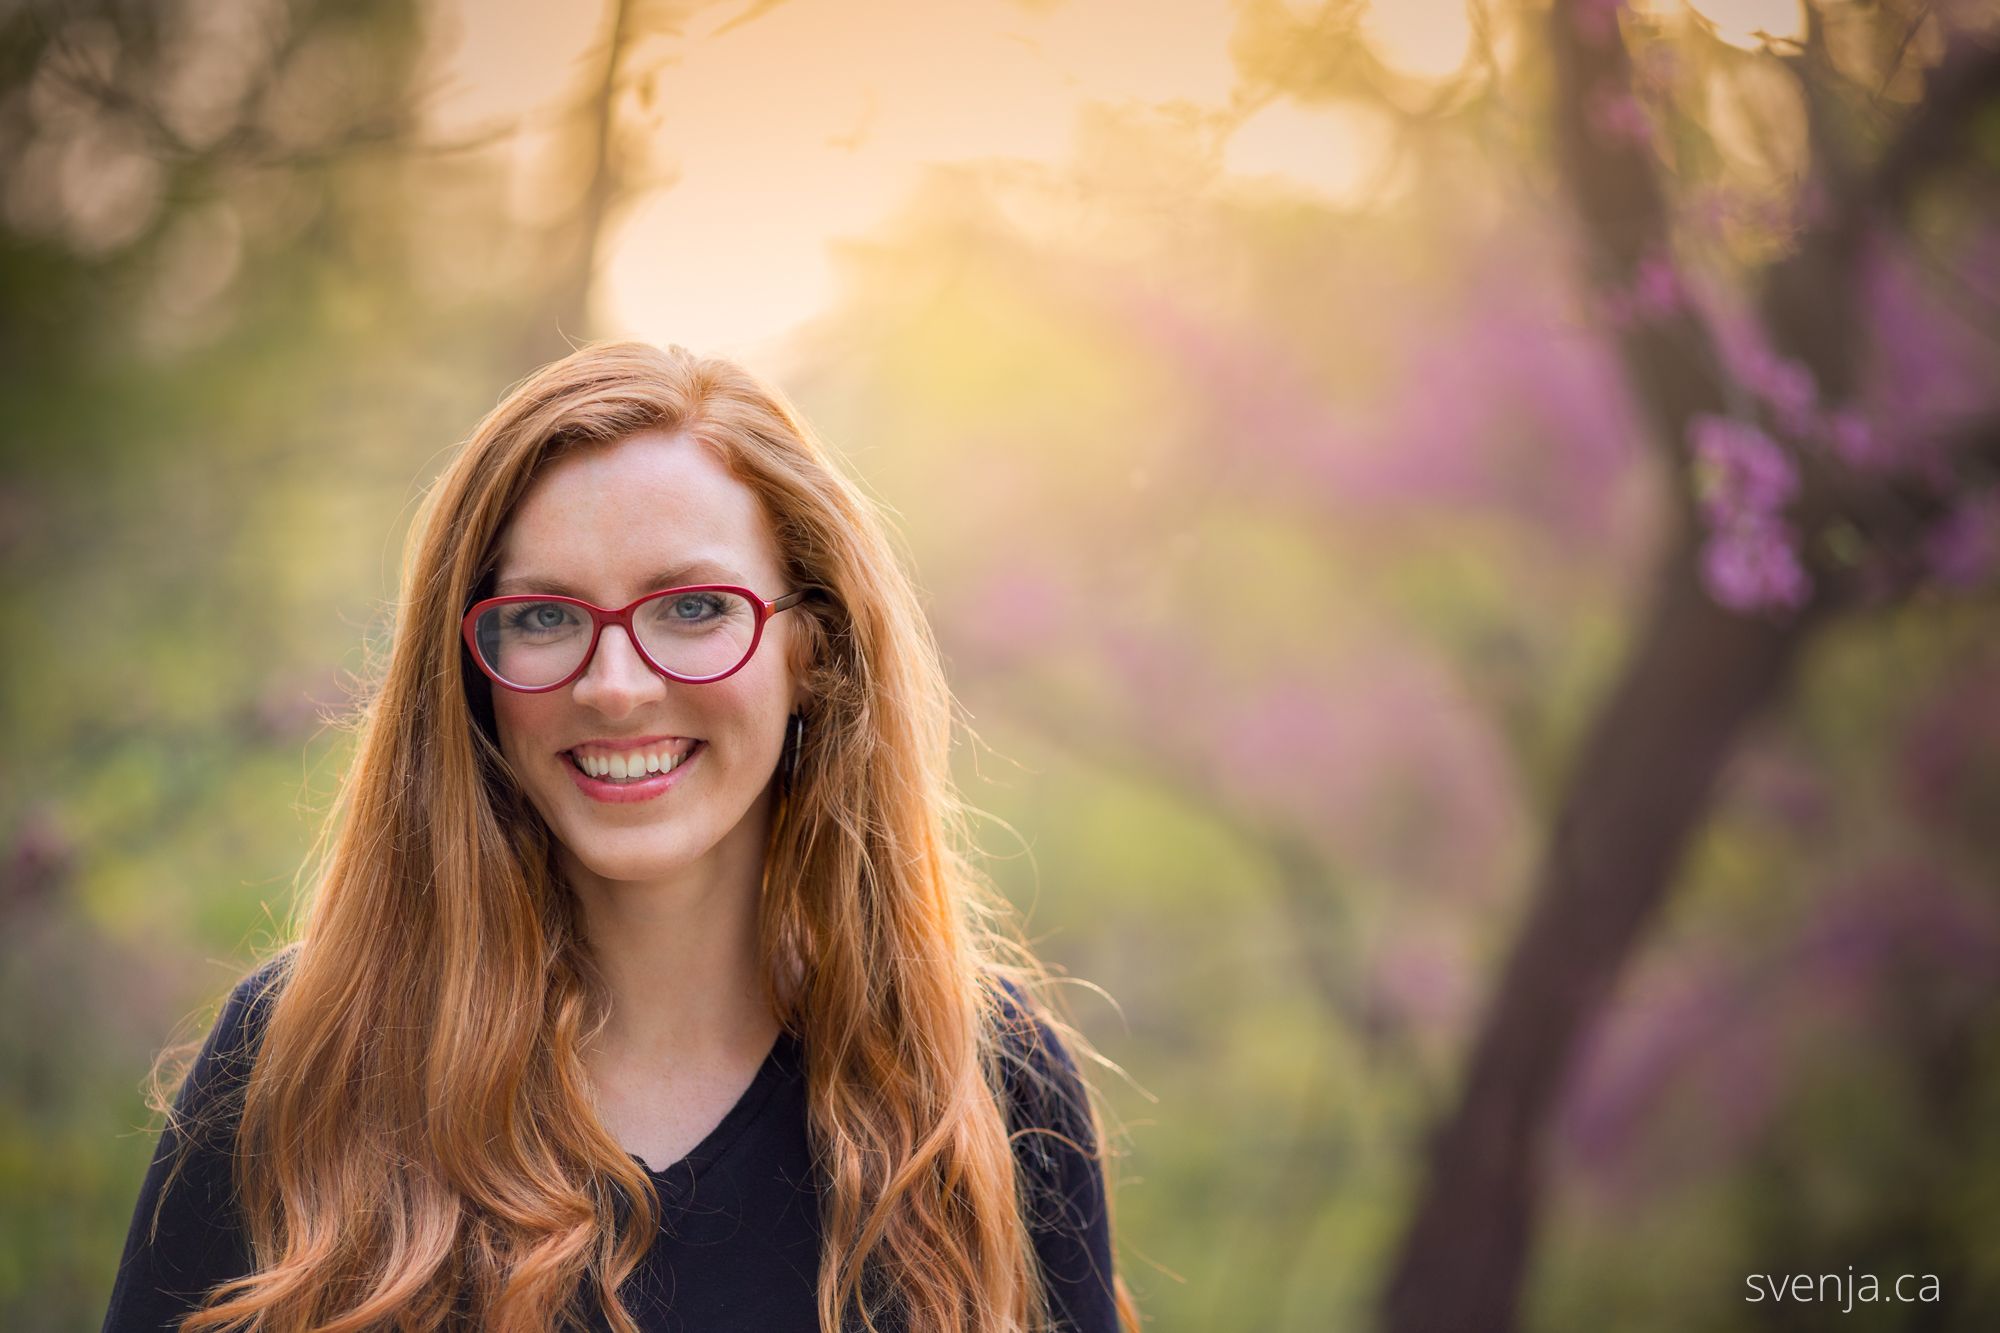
1805, 1287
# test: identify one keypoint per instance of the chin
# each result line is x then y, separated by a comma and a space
638, 858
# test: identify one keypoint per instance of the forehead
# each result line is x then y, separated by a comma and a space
604, 519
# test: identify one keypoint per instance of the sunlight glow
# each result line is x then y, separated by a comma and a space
811, 122
1739, 21
1340, 152
1423, 38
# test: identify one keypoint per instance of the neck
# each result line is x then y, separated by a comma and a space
681, 954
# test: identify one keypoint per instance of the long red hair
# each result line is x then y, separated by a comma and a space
417, 1141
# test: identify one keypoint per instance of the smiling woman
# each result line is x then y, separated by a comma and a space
645, 879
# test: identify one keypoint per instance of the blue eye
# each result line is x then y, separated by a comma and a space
538, 617
696, 606
684, 613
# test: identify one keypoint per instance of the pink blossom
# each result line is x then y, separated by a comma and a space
1420, 981
1785, 785
1981, 267
1656, 287
1656, 291
1751, 566
1014, 612
1814, 204
1896, 911
1617, 309
1945, 757
1616, 114
1682, 1023
1930, 367
1852, 438
1964, 547
1785, 385
1744, 473
1596, 20
41, 857
1726, 1038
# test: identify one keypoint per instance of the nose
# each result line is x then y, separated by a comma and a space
617, 679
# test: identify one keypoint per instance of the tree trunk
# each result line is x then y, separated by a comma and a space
1697, 677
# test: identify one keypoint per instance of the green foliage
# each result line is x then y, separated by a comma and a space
1226, 444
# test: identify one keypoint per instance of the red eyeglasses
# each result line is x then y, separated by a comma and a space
536, 642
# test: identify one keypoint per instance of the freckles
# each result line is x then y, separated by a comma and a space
519, 718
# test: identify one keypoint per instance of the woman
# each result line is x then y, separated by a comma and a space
643, 985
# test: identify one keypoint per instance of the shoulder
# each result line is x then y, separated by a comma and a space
1047, 1105
222, 1066
1056, 1149
186, 1233
240, 1027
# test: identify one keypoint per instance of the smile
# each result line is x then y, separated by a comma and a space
629, 763
631, 775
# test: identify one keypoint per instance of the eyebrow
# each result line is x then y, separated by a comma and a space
694, 571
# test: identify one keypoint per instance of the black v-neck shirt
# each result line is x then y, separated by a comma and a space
739, 1240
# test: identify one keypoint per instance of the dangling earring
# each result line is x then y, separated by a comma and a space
795, 739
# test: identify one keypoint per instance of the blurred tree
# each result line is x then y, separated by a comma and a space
163, 140
608, 120
1793, 504
1261, 435
209, 274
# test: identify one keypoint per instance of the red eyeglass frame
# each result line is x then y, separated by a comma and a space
602, 616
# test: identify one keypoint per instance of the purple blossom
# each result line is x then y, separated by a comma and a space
1981, 267
1930, 367
1616, 114
1706, 1045
1013, 613
1751, 565
1691, 1023
1813, 205
1897, 911
1656, 291
1551, 406
1782, 384
1419, 982
1785, 785
1596, 20
1745, 473
1946, 758
1785, 385
1964, 546
41, 857
1656, 288
1373, 753
1855, 441
1617, 308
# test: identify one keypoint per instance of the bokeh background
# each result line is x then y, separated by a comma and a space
1466, 537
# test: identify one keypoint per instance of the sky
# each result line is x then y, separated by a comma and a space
814, 120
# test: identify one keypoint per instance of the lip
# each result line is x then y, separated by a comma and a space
625, 742
624, 793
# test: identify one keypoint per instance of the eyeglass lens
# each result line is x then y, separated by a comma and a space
689, 633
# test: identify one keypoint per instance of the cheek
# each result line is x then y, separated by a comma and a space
741, 707
518, 721
747, 713
756, 698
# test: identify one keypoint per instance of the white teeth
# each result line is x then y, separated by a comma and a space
623, 767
